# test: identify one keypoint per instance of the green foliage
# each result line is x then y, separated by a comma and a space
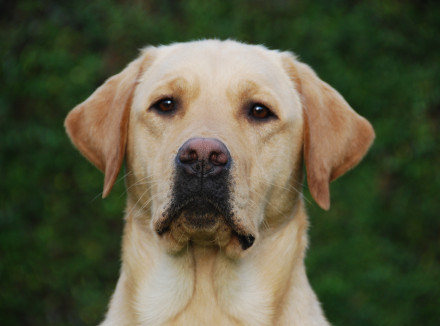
374, 258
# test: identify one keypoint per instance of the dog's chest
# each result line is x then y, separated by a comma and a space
202, 290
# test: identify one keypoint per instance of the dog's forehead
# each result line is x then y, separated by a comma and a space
220, 62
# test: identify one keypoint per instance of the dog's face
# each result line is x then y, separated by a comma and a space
214, 135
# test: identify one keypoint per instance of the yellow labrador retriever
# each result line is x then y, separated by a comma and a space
214, 134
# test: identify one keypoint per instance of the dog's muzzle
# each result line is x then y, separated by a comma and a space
200, 208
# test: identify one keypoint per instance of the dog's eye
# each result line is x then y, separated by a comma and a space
166, 105
260, 112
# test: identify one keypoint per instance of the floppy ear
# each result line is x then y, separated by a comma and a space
98, 126
335, 136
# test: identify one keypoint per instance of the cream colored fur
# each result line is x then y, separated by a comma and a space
169, 281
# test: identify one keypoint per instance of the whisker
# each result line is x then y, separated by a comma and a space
290, 188
124, 176
140, 182
140, 197
96, 197
146, 203
252, 202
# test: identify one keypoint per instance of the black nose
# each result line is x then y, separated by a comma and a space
203, 157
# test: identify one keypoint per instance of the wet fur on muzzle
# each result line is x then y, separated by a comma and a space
203, 199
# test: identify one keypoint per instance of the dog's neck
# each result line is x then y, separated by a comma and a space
201, 283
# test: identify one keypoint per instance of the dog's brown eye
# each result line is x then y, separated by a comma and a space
166, 105
260, 112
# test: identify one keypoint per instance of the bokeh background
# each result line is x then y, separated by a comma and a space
374, 257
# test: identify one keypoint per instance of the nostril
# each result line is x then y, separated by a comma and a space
193, 156
218, 158
188, 156
213, 158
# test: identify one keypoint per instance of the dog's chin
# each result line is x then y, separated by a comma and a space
205, 228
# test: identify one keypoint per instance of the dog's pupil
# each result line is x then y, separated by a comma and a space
166, 105
260, 111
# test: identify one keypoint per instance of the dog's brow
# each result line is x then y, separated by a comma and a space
248, 90
179, 87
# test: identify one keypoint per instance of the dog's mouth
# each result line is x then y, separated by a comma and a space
200, 210
202, 221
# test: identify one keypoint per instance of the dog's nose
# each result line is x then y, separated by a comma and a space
203, 156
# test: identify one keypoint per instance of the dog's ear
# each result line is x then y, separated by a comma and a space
335, 136
98, 126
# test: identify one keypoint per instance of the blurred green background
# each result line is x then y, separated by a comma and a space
374, 258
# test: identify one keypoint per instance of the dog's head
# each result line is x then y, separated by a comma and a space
214, 134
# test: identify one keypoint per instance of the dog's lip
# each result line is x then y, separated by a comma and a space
170, 216
246, 239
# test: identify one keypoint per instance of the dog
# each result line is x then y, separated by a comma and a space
215, 136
